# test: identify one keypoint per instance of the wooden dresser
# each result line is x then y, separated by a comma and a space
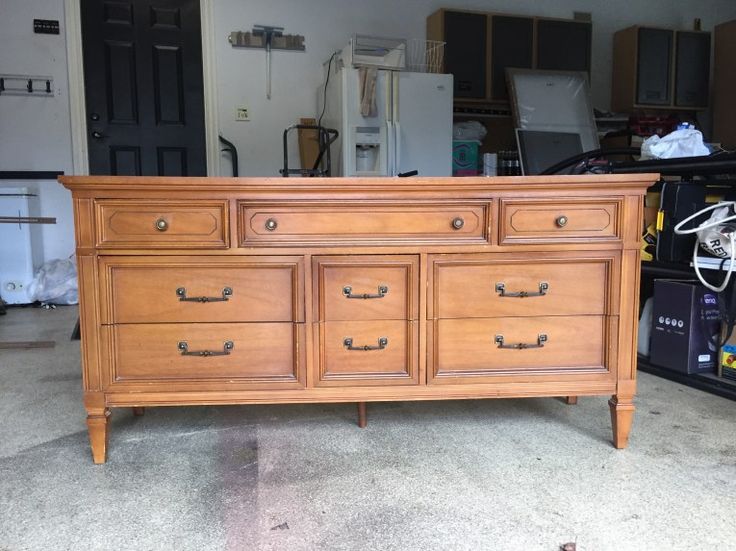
268, 290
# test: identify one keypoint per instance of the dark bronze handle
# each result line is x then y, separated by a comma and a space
543, 288
348, 292
181, 292
458, 223
348, 343
97, 135
184, 348
271, 224
161, 224
541, 339
561, 221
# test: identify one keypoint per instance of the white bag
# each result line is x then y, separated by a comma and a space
717, 236
686, 142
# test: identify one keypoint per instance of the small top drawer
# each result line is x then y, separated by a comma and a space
367, 287
363, 222
160, 224
552, 221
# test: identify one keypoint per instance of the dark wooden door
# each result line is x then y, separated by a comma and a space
563, 45
692, 69
512, 41
465, 53
144, 87
654, 67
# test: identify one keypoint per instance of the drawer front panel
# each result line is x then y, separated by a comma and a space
349, 363
542, 287
541, 221
261, 352
367, 287
158, 224
469, 348
155, 291
362, 223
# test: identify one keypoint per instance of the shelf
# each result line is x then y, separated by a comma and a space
707, 382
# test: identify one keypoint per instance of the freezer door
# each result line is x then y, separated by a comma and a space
423, 123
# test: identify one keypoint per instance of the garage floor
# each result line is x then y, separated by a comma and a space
484, 474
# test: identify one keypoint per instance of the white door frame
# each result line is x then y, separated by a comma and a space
75, 64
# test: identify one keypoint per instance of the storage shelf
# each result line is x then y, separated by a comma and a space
707, 382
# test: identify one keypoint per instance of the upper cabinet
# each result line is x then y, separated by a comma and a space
660, 69
479, 47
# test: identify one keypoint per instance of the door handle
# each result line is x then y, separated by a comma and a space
97, 135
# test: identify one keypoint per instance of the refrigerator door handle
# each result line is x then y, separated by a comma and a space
390, 161
397, 148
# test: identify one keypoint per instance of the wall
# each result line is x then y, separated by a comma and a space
35, 132
328, 24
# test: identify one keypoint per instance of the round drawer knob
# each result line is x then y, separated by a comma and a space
271, 224
458, 223
162, 224
561, 221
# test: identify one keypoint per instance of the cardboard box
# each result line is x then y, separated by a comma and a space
685, 325
727, 365
465, 157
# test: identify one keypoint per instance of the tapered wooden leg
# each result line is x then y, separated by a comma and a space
139, 411
622, 415
362, 415
571, 400
98, 435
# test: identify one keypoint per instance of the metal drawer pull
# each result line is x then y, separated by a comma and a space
348, 292
382, 343
271, 224
543, 288
181, 292
541, 339
226, 348
161, 224
458, 223
561, 221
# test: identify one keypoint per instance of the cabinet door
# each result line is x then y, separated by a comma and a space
465, 53
512, 47
654, 67
563, 45
692, 69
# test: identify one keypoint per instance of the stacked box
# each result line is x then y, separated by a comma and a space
465, 157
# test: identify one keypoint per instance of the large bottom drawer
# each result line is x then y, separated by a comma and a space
490, 347
236, 352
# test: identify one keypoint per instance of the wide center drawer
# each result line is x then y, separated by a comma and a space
190, 289
483, 288
238, 352
162, 224
363, 222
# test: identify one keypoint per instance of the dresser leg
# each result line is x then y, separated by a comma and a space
571, 400
98, 434
622, 415
139, 411
362, 415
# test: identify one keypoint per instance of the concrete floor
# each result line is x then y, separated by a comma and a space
485, 474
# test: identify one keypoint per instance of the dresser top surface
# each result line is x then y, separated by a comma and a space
596, 183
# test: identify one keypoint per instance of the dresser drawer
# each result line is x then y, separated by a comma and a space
367, 287
367, 353
484, 288
191, 289
362, 222
256, 352
473, 347
159, 224
539, 221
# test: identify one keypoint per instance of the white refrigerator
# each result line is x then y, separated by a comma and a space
410, 128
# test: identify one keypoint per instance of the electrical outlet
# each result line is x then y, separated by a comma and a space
241, 114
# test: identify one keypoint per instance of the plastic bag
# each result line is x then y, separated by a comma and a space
687, 142
468, 130
56, 283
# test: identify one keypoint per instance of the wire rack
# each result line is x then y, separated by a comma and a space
425, 56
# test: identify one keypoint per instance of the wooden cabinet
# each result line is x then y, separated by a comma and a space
724, 84
660, 69
357, 290
481, 46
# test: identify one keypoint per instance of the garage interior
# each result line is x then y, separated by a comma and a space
216, 89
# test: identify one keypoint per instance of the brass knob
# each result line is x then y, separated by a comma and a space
458, 223
561, 221
271, 224
162, 224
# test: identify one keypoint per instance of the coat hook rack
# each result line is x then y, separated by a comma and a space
267, 37
26, 85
